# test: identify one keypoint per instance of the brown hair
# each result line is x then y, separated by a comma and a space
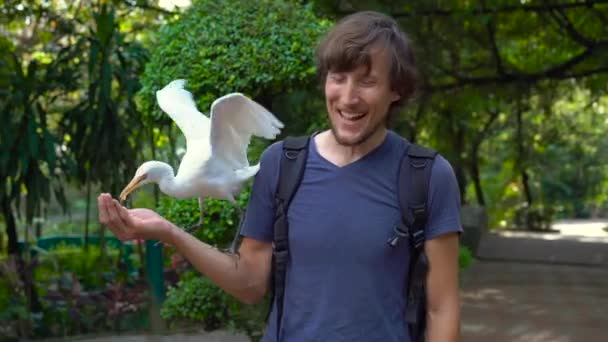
350, 43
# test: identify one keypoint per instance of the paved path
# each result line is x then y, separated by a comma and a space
538, 287
509, 301
573, 242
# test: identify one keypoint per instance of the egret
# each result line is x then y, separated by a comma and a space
215, 164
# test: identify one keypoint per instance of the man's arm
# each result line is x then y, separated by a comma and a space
443, 314
245, 276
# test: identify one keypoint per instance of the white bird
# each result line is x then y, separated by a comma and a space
215, 164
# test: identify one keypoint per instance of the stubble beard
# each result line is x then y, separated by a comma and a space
361, 140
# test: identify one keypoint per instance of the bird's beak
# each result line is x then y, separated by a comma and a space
133, 184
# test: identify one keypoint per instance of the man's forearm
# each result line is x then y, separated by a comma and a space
227, 271
444, 323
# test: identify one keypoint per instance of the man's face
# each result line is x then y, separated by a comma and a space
358, 100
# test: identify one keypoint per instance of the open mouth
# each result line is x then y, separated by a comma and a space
351, 116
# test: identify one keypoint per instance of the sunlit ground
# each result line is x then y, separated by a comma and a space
580, 230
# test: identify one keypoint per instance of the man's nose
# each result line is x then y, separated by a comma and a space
350, 95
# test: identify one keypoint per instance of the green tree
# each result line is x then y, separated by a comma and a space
103, 127
262, 49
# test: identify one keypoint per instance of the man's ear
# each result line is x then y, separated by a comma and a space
395, 96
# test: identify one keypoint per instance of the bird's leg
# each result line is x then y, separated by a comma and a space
236, 240
201, 205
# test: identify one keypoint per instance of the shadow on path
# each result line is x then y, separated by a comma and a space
508, 301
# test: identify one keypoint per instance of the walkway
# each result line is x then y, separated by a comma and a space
534, 287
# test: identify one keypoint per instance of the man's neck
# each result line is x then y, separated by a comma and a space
342, 155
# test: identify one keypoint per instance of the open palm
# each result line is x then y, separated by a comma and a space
130, 224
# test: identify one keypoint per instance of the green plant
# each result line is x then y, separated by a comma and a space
535, 217
89, 267
14, 314
220, 218
260, 48
465, 258
196, 300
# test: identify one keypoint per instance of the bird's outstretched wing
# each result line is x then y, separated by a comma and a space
234, 119
179, 104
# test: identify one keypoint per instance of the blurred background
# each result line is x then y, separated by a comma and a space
514, 96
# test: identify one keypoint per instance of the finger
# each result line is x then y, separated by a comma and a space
103, 216
115, 218
104, 208
124, 214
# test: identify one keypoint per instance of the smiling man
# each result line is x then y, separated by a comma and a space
343, 282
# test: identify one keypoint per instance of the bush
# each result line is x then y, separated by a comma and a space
195, 300
91, 270
260, 48
220, 218
79, 291
465, 258
534, 217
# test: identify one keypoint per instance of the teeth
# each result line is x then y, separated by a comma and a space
351, 116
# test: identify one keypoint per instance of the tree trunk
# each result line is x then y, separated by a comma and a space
521, 156
419, 114
459, 146
25, 273
474, 170
455, 133
11, 228
86, 215
474, 158
525, 182
38, 225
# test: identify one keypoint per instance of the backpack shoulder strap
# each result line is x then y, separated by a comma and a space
293, 159
292, 165
413, 187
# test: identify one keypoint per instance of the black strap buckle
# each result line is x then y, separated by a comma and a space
291, 153
400, 232
418, 239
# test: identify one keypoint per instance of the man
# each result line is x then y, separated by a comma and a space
343, 282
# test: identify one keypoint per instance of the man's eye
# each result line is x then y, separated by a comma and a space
368, 81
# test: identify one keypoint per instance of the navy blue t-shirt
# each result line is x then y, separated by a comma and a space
343, 282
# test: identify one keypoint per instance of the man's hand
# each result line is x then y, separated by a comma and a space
132, 224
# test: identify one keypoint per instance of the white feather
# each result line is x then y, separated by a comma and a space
215, 163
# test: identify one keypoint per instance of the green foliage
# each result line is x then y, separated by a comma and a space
28, 156
88, 266
260, 48
14, 312
465, 258
81, 291
195, 300
220, 218
102, 126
